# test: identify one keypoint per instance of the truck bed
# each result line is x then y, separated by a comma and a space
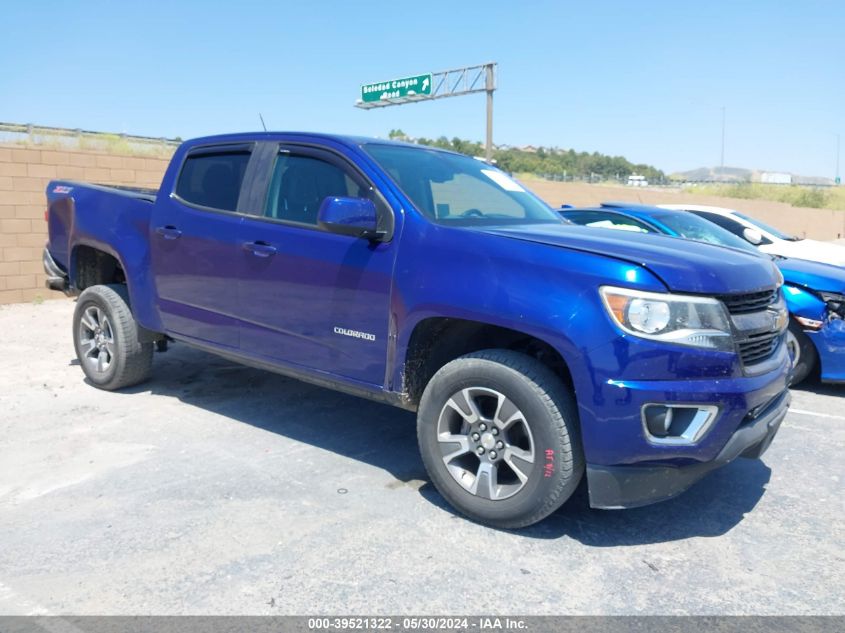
139, 193
94, 213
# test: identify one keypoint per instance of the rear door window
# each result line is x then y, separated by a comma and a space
212, 178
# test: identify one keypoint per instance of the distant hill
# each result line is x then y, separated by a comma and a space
740, 175
714, 174
813, 180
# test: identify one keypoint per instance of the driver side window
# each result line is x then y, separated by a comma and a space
300, 184
726, 223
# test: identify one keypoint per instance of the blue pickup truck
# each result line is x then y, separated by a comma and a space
533, 351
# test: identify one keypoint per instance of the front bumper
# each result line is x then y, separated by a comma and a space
830, 345
615, 487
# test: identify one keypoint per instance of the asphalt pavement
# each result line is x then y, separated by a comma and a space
219, 489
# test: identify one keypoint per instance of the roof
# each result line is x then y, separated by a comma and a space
648, 213
698, 207
631, 208
344, 139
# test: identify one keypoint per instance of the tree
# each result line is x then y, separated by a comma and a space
547, 161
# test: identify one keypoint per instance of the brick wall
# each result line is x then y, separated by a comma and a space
24, 174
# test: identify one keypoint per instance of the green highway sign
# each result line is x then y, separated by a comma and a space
396, 88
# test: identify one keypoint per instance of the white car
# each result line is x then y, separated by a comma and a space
765, 237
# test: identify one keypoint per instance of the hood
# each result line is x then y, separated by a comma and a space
812, 275
684, 266
814, 250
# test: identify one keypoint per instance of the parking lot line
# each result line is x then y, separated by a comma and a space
11, 602
817, 415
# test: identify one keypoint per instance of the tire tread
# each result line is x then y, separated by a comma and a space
135, 358
809, 360
554, 396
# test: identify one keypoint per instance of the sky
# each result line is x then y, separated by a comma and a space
645, 80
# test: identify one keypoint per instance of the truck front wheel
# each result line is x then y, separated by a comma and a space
498, 434
802, 353
105, 336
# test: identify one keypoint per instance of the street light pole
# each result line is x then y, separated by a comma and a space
837, 180
490, 87
722, 160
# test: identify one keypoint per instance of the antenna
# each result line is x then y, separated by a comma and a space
262, 121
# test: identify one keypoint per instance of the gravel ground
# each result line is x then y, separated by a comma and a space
218, 489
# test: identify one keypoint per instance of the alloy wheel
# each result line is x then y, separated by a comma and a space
96, 339
486, 443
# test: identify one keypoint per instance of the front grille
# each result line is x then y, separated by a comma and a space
758, 347
750, 302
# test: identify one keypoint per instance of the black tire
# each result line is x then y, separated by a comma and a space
126, 360
802, 352
550, 428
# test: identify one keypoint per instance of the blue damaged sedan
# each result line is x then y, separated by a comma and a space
814, 292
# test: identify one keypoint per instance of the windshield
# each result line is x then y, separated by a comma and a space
458, 190
767, 228
693, 227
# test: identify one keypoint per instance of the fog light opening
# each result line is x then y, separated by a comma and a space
677, 424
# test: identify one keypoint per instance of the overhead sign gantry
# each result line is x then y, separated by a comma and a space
439, 85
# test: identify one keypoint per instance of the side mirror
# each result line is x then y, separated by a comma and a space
753, 236
356, 217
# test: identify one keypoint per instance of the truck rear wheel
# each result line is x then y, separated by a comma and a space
105, 336
498, 434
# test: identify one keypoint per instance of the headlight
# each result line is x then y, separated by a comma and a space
781, 314
679, 319
779, 274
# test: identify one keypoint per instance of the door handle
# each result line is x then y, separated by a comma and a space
260, 249
169, 232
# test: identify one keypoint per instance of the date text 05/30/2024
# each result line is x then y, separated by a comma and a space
409, 623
